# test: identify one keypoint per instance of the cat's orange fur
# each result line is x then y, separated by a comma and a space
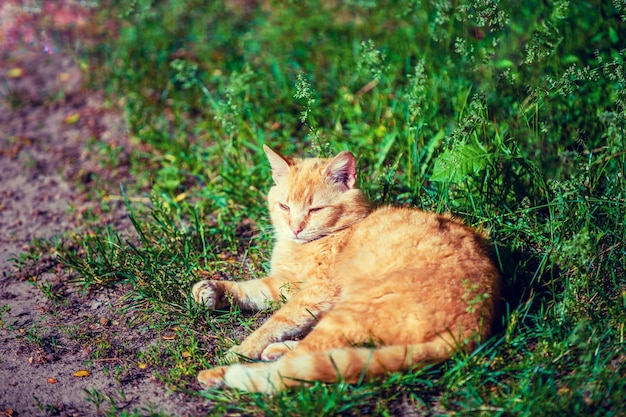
372, 291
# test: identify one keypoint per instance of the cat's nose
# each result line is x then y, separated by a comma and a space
296, 230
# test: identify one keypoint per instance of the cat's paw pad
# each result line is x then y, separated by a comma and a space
277, 350
253, 378
239, 353
232, 355
204, 292
246, 351
212, 378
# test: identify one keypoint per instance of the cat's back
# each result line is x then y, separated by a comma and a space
401, 238
398, 228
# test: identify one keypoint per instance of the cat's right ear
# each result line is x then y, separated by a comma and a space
280, 164
342, 170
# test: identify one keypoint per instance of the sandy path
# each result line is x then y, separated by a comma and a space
46, 119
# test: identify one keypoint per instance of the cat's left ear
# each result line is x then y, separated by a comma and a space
280, 164
342, 170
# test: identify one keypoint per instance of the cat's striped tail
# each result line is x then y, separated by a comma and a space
351, 364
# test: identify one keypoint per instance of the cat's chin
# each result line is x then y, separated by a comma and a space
301, 241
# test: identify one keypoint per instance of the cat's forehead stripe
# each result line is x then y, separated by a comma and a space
305, 180
302, 188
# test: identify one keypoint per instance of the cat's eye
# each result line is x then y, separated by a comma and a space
283, 207
315, 209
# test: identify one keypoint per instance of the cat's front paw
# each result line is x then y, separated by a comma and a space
232, 355
255, 377
208, 293
212, 378
278, 349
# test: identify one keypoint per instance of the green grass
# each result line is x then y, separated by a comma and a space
512, 117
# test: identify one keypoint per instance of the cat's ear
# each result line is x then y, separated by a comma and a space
342, 170
280, 164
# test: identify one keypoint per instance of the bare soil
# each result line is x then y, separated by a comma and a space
48, 174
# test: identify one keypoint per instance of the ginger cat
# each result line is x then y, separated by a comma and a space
372, 291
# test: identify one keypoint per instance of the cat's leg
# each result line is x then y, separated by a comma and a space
256, 294
339, 329
295, 317
349, 364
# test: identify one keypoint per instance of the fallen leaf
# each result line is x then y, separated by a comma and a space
186, 354
52, 380
16, 72
81, 374
169, 337
142, 365
71, 119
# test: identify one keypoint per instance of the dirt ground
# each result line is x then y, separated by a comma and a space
47, 176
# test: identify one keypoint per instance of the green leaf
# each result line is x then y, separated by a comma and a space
505, 63
453, 165
613, 36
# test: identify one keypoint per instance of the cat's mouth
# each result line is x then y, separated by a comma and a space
302, 239
311, 236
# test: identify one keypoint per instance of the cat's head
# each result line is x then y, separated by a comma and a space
314, 197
